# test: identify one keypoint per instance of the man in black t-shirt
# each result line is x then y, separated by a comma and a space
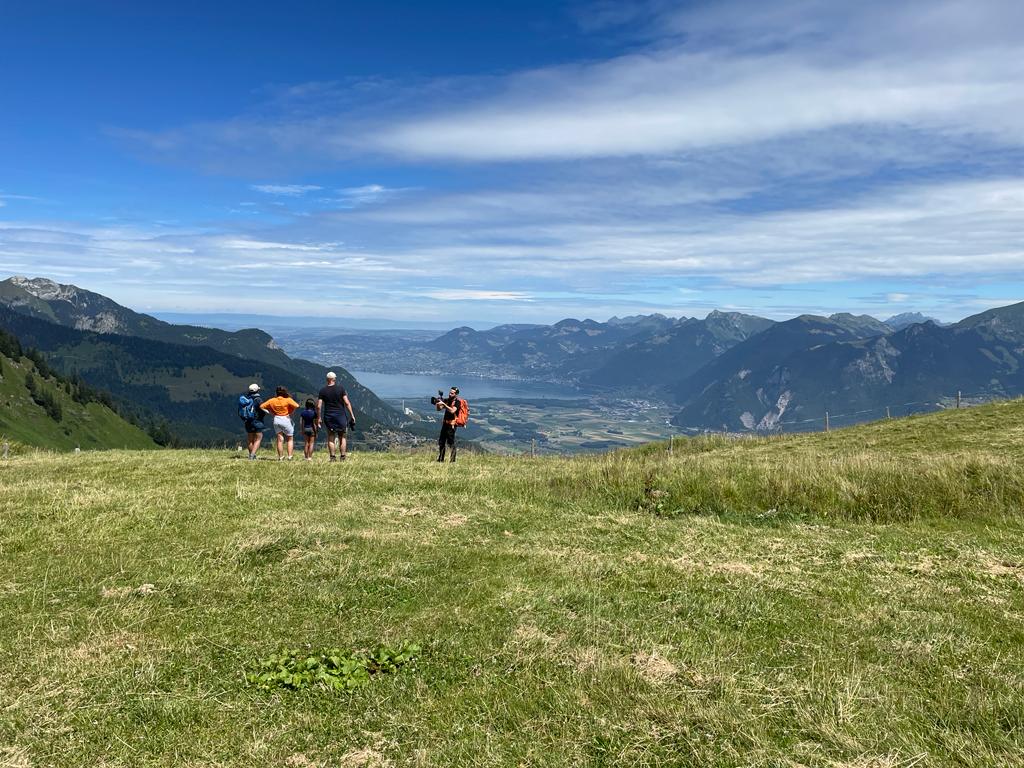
334, 411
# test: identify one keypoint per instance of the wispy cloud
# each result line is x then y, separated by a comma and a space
368, 194
285, 190
715, 75
468, 294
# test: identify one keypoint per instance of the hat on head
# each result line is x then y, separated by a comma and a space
254, 387
332, 375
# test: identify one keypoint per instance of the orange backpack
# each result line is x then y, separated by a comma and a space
463, 415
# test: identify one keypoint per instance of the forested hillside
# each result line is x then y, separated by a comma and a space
42, 409
194, 388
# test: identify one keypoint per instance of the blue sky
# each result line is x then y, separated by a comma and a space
517, 161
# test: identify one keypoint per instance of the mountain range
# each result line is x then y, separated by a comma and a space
792, 373
188, 375
726, 371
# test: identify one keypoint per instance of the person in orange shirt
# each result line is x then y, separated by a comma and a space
282, 407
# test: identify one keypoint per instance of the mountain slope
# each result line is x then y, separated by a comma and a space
761, 354
921, 365
677, 351
41, 409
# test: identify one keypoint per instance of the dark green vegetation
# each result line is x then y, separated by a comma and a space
845, 599
333, 669
189, 377
40, 408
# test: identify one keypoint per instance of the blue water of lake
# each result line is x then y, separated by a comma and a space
392, 386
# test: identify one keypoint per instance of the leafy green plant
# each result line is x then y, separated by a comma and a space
333, 669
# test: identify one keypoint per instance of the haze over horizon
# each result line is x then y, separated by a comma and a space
577, 159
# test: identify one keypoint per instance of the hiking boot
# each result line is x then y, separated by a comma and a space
333, 458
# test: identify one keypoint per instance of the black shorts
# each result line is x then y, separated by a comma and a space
254, 427
335, 422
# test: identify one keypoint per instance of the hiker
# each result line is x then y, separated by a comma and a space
282, 407
307, 419
455, 413
249, 409
334, 411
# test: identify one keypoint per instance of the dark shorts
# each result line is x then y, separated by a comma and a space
335, 422
254, 427
308, 431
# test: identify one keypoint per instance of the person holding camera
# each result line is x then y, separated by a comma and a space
450, 406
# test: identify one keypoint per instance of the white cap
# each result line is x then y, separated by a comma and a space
254, 387
332, 375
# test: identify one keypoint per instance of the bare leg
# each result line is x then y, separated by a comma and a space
291, 445
279, 444
343, 442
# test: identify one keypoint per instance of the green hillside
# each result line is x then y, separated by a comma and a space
845, 599
38, 410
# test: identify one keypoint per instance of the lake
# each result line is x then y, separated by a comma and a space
396, 386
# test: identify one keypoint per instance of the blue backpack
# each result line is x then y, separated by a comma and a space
246, 408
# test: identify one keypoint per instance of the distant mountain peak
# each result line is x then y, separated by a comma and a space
44, 288
904, 319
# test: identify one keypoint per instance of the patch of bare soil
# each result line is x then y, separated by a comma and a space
654, 667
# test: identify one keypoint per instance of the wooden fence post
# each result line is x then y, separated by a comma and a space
533, 448
887, 412
958, 398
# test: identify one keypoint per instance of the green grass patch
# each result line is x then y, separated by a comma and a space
849, 599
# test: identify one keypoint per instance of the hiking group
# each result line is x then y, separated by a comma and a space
333, 413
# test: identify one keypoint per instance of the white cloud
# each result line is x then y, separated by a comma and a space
714, 75
897, 298
286, 190
368, 194
664, 102
467, 294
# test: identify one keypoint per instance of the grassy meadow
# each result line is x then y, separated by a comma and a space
853, 598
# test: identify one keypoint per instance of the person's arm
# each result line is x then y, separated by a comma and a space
348, 407
319, 413
453, 408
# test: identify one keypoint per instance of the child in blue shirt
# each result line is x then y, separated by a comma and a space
308, 420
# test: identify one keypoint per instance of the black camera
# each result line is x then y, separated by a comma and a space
438, 399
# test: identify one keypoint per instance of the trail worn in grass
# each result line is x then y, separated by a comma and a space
851, 599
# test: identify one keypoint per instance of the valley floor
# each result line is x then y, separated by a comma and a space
850, 599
